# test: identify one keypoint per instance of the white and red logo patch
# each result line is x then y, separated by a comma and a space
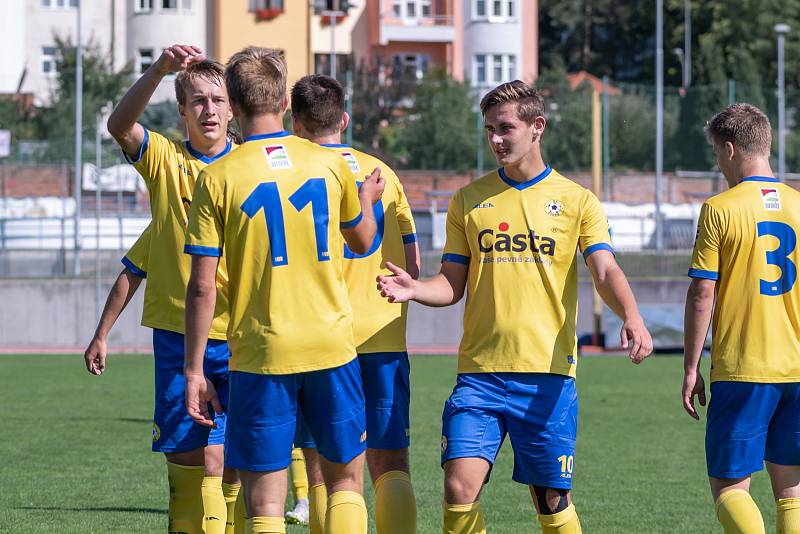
352, 161
277, 157
772, 201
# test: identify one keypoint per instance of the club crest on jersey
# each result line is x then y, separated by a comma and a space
554, 208
772, 201
277, 157
352, 161
156, 432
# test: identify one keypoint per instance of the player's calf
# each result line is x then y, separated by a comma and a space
556, 513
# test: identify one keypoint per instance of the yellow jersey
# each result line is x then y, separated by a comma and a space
136, 257
276, 206
519, 242
747, 242
378, 325
170, 169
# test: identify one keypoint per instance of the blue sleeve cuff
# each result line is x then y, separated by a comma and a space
597, 246
133, 268
197, 250
409, 238
141, 149
705, 275
350, 224
455, 258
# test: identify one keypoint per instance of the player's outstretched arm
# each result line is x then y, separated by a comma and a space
201, 295
444, 289
359, 237
122, 124
611, 284
121, 293
696, 320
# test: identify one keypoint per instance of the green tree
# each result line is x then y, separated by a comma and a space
439, 132
101, 85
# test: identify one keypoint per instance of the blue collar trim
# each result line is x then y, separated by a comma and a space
281, 133
206, 159
760, 179
335, 145
527, 183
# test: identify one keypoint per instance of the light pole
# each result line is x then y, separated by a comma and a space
781, 30
78, 144
659, 118
687, 43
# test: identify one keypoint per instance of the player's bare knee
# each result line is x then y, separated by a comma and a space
214, 460
550, 501
381, 461
460, 489
230, 476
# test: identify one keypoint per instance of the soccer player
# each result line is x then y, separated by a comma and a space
746, 254
123, 290
194, 453
277, 206
318, 114
511, 241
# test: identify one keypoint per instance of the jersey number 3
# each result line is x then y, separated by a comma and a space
787, 241
266, 196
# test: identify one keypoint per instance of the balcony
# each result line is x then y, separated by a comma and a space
421, 21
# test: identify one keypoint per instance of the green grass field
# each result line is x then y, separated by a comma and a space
76, 451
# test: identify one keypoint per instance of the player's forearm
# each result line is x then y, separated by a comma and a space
436, 291
133, 103
412, 259
613, 288
696, 320
121, 293
200, 301
359, 238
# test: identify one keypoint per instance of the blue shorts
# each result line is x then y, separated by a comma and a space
262, 416
387, 394
387, 397
539, 412
749, 423
173, 429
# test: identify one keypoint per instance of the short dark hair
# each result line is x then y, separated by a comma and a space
530, 102
318, 103
256, 80
745, 126
209, 69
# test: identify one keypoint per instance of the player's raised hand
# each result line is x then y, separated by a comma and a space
399, 287
95, 356
693, 384
634, 335
177, 57
200, 393
372, 187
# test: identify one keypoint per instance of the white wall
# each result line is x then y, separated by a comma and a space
12, 42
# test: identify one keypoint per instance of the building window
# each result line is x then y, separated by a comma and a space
412, 9
397, 8
142, 6
480, 69
511, 67
54, 4
497, 9
425, 8
145, 59
256, 5
494, 10
49, 57
510, 9
493, 69
322, 65
169, 5
480, 8
411, 65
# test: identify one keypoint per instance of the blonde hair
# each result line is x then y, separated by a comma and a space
530, 103
745, 126
256, 80
208, 69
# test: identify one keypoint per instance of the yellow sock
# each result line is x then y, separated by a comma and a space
240, 523
266, 525
185, 498
564, 522
317, 507
231, 493
297, 470
395, 507
347, 513
788, 519
463, 519
738, 513
215, 511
